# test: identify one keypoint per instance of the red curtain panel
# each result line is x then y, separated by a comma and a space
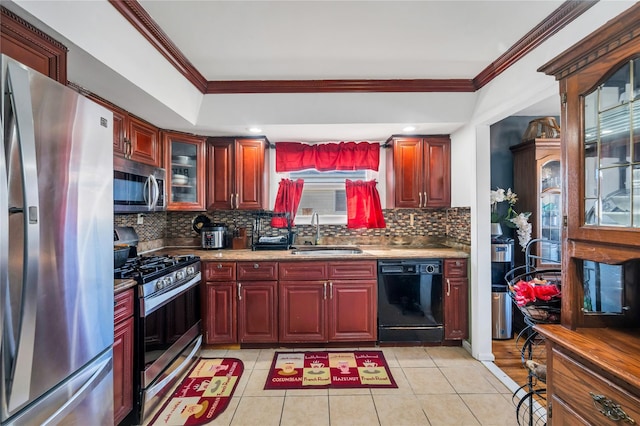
363, 205
294, 156
287, 200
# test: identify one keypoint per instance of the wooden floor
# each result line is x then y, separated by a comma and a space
509, 358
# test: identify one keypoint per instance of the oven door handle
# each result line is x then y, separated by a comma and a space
150, 304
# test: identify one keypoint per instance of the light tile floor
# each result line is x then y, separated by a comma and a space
436, 386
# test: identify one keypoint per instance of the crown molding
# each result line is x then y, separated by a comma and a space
142, 21
614, 34
326, 86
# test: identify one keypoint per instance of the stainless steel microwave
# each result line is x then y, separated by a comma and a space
138, 187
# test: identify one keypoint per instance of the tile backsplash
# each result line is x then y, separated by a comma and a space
175, 228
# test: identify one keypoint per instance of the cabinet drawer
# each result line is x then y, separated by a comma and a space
262, 271
573, 383
123, 305
455, 267
360, 270
219, 271
303, 271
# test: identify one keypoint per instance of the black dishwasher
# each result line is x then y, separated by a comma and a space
410, 300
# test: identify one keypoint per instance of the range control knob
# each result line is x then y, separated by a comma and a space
431, 269
159, 284
180, 275
191, 270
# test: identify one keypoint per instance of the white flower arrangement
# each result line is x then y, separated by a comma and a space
512, 219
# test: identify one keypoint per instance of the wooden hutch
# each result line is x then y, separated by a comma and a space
593, 356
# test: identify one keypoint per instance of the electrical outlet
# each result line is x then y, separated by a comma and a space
411, 219
140, 218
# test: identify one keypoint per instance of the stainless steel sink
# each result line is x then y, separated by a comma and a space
326, 250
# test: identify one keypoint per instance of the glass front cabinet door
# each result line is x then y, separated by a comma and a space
601, 154
612, 150
184, 159
550, 212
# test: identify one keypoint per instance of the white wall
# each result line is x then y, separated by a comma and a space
516, 88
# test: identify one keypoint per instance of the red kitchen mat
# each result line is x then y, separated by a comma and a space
203, 394
329, 369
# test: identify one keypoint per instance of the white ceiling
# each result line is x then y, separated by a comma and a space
315, 40
305, 40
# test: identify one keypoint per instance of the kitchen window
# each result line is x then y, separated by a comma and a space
324, 193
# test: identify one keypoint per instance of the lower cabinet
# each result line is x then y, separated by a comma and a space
221, 315
353, 311
219, 309
316, 307
592, 375
456, 299
257, 312
123, 355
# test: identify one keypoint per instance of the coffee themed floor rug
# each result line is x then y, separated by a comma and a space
329, 369
203, 394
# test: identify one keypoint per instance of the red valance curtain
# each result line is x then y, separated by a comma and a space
287, 200
294, 156
363, 205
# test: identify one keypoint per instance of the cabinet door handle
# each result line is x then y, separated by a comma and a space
330, 290
324, 291
239, 293
237, 201
256, 266
448, 287
425, 199
219, 266
610, 409
420, 202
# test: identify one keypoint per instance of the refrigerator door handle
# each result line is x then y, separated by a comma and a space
4, 240
102, 369
19, 95
155, 192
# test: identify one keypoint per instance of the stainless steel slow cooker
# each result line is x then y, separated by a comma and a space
214, 236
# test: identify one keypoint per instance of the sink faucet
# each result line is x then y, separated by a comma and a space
315, 215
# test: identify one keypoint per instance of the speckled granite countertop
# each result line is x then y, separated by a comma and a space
122, 285
369, 253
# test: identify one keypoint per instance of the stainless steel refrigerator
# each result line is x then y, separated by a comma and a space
56, 253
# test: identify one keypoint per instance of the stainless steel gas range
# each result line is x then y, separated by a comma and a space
168, 331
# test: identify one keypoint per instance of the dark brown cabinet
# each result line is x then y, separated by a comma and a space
327, 301
133, 138
28, 45
456, 299
238, 176
257, 289
123, 355
592, 367
143, 143
419, 172
537, 179
352, 306
184, 160
219, 306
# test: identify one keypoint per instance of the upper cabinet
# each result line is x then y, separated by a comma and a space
419, 172
185, 164
142, 141
31, 47
238, 176
133, 138
600, 92
537, 179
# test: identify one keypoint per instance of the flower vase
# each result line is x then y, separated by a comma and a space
496, 230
